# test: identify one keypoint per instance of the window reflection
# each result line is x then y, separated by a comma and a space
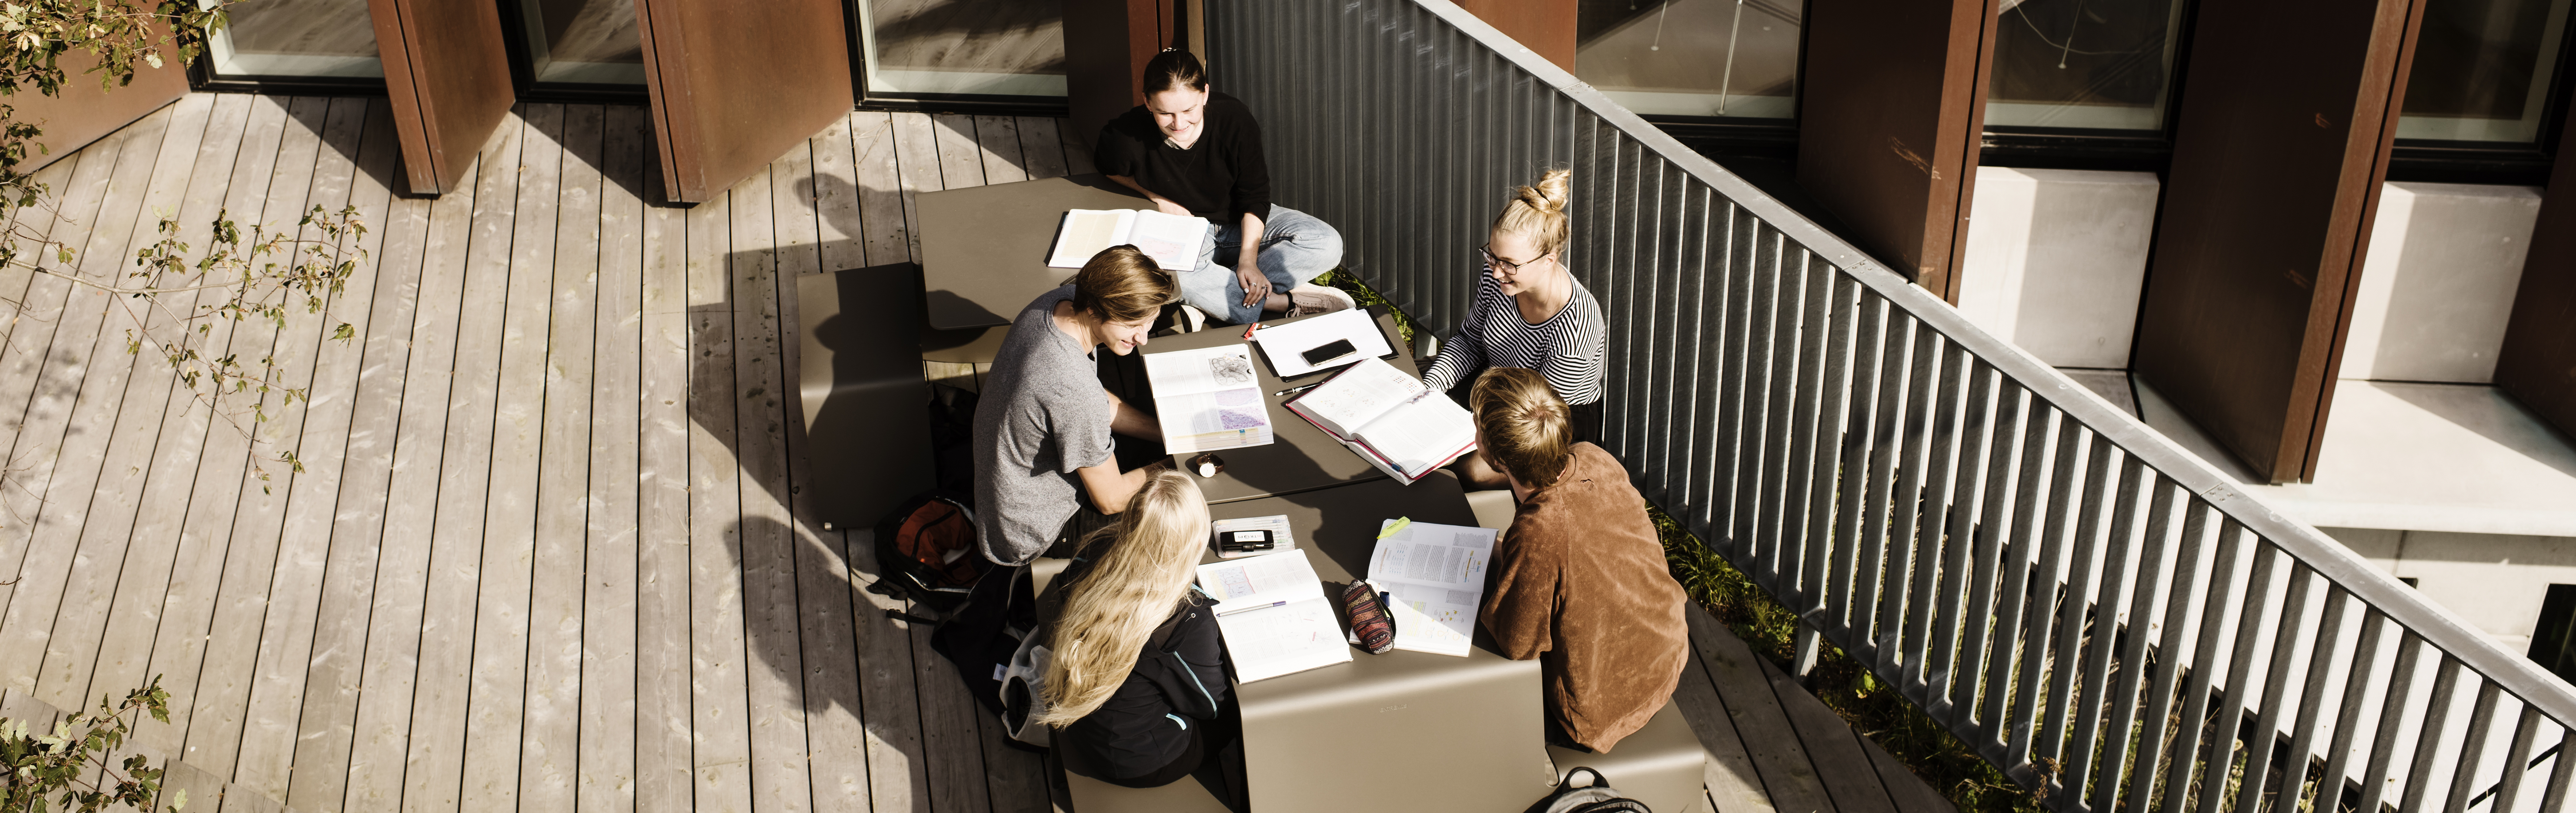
1735, 58
300, 38
2092, 64
2482, 69
592, 42
1000, 47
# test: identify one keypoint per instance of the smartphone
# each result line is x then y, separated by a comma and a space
1245, 540
1337, 349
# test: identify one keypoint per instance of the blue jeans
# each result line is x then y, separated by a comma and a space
1295, 247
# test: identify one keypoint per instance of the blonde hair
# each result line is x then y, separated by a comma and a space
1525, 428
1141, 568
1121, 284
1538, 213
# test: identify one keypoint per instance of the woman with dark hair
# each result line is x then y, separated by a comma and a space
1196, 152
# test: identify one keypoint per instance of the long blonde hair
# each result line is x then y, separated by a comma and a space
1141, 568
1538, 213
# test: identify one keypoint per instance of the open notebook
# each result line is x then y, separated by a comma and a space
1388, 418
1436, 576
1274, 615
1172, 240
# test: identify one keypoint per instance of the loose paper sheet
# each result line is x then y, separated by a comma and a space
1436, 575
1286, 345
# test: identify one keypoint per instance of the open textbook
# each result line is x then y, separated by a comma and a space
1435, 578
1393, 420
1274, 615
1208, 399
1172, 240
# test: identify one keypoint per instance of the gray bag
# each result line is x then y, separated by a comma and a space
1024, 690
1596, 797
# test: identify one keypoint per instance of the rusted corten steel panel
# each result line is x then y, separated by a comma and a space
2538, 362
85, 112
1893, 99
2279, 152
448, 76
736, 84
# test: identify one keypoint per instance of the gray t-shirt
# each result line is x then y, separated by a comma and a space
1042, 417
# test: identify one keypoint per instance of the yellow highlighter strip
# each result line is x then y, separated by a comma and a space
1393, 527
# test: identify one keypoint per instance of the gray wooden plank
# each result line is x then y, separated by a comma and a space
204, 528
608, 596
774, 670
550, 738
396, 613
997, 140
497, 701
1904, 789
961, 159
719, 691
105, 538
1015, 780
126, 644
33, 302
373, 378
1077, 156
1730, 775
833, 191
836, 739
917, 169
663, 776
1831, 745
76, 397
952, 745
1787, 775
898, 767
434, 766
883, 198
299, 504
250, 560
1041, 148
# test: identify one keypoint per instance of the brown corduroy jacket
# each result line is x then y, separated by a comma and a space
1580, 583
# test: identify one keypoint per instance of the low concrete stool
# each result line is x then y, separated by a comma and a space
1185, 796
867, 414
1662, 765
1494, 509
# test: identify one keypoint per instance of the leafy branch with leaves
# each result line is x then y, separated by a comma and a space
69, 766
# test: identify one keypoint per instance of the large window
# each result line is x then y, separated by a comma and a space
582, 42
963, 47
296, 39
2553, 640
2083, 64
1725, 58
2482, 70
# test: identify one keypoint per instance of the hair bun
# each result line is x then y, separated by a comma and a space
1550, 196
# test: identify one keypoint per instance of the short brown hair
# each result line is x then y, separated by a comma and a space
1527, 430
1121, 284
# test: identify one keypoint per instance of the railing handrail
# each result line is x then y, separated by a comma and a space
2329, 558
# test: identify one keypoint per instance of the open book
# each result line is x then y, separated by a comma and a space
1172, 240
1435, 575
1274, 615
1393, 420
1208, 399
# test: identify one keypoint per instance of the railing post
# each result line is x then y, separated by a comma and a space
1807, 641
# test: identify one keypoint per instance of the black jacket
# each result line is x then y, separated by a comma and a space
1178, 683
1222, 177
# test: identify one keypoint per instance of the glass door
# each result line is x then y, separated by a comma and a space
296, 39
948, 48
1701, 58
582, 42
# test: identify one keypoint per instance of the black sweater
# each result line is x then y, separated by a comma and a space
1179, 674
1221, 177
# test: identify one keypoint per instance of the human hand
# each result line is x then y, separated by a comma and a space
1166, 206
1256, 287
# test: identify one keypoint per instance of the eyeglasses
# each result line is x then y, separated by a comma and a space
1493, 262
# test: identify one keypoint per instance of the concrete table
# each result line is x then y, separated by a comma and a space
1399, 731
984, 248
1300, 457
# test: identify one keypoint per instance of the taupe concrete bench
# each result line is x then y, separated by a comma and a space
1662, 764
866, 407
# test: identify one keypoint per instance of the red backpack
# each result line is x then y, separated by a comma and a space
927, 551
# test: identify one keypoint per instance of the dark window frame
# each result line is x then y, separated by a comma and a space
523, 70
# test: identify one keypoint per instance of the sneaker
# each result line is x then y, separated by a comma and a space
1313, 299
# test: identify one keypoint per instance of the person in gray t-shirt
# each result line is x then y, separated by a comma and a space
1043, 425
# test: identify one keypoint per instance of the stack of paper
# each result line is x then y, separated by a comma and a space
1286, 345
1388, 418
1208, 399
1435, 575
1172, 240
1274, 615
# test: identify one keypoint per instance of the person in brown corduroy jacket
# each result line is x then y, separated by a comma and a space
1579, 581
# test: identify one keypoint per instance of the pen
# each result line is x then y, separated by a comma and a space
1294, 390
1247, 332
1250, 609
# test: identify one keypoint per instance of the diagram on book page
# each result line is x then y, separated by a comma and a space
1208, 399
1436, 576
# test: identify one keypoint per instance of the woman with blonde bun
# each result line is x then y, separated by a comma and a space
1529, 311
1138, 670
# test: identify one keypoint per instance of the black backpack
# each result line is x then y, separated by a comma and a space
980, 636
1596, 797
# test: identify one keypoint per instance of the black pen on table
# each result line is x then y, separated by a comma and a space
1294, 390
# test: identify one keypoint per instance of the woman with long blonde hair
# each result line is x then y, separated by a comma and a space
1138, 668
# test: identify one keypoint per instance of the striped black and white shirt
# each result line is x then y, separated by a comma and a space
1567, 348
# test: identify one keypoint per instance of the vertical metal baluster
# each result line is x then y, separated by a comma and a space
2224, 734
2392, 715
2356, 689
1981, 617
1948, 612
2562, 774
1733, 427
2517, 759
2473, 749
2225, 593
2276, 682
1905, 506
2179, 604
1861, 642
1851, 477
2312, 694
2074, 599
2021, 550
1708, 391
1816, 350
2117, 578
2437, 718
1824, 440
1932, 520
2039, 594
1780, 322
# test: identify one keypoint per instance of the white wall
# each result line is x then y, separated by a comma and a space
2494, 581
2056, 259
2439, 281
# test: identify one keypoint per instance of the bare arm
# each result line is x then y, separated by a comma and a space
1110, 488
1163, 204
1130, 421
1256, 286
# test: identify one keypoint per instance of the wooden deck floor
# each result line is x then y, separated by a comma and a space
548, 552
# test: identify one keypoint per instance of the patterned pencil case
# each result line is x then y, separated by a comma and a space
1371, 622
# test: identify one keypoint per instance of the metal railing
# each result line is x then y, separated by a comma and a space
2094, 609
